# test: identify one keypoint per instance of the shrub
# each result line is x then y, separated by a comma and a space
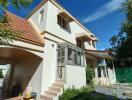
69, 94
72, 93
89, 74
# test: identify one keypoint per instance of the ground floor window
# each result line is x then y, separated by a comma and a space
74, 57
69, 55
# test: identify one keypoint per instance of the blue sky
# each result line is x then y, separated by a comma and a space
102, 17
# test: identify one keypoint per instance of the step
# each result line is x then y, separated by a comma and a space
61, 85
52, 93
57, 89
46, 97
60, 81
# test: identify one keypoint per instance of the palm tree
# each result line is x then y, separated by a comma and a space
6, 34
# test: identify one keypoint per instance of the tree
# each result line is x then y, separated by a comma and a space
122, 42
89, 74
6, 33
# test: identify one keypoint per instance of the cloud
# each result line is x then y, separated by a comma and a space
106, 9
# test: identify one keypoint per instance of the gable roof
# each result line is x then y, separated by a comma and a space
61, 8
24, 29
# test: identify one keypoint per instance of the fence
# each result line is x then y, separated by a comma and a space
124, 74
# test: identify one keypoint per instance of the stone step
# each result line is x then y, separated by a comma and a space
46, 97
60, 81
57, 89
52, 93
61, 85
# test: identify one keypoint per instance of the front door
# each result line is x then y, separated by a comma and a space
60, 62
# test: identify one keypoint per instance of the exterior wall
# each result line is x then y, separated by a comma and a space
34, 19
49, 65
89, 47
36, 81
50, 24
75, 76
53, 27
112, 76
29, 71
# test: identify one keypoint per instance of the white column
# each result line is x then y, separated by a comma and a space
107, 77
102, 73
96, 72
114, 71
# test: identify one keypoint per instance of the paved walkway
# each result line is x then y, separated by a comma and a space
123, 91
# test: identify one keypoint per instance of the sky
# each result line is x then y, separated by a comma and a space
101, 17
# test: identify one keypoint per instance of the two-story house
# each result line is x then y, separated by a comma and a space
51, 51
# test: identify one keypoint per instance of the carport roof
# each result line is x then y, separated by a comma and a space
25, 30
99, 54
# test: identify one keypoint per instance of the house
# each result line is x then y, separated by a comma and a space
50, 51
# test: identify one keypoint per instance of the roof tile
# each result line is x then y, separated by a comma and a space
24, 29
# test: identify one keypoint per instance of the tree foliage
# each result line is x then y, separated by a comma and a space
6, 33
89, 74
122, 42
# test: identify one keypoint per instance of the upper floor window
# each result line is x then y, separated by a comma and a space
41, 15
89, 42
93, 43
62, 22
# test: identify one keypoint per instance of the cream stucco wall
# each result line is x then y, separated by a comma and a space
75, 76
54, 28
89, 47
49, 65
34, 19
50, 25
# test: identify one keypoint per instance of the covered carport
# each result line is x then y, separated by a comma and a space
23, 63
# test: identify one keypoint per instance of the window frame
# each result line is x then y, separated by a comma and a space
62, 22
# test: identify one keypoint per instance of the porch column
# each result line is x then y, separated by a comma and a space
114, 70
96, 72
107, 78
102, 73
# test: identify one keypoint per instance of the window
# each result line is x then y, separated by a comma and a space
41, 15
93, 44
61, 56
62, 22
74, 57
79, 43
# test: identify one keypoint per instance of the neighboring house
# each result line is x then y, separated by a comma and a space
51, 51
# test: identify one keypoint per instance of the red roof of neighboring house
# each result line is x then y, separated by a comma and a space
25, 30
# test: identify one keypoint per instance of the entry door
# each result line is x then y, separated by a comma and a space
60, 62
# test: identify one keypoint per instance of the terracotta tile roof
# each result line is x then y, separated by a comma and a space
25, 30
